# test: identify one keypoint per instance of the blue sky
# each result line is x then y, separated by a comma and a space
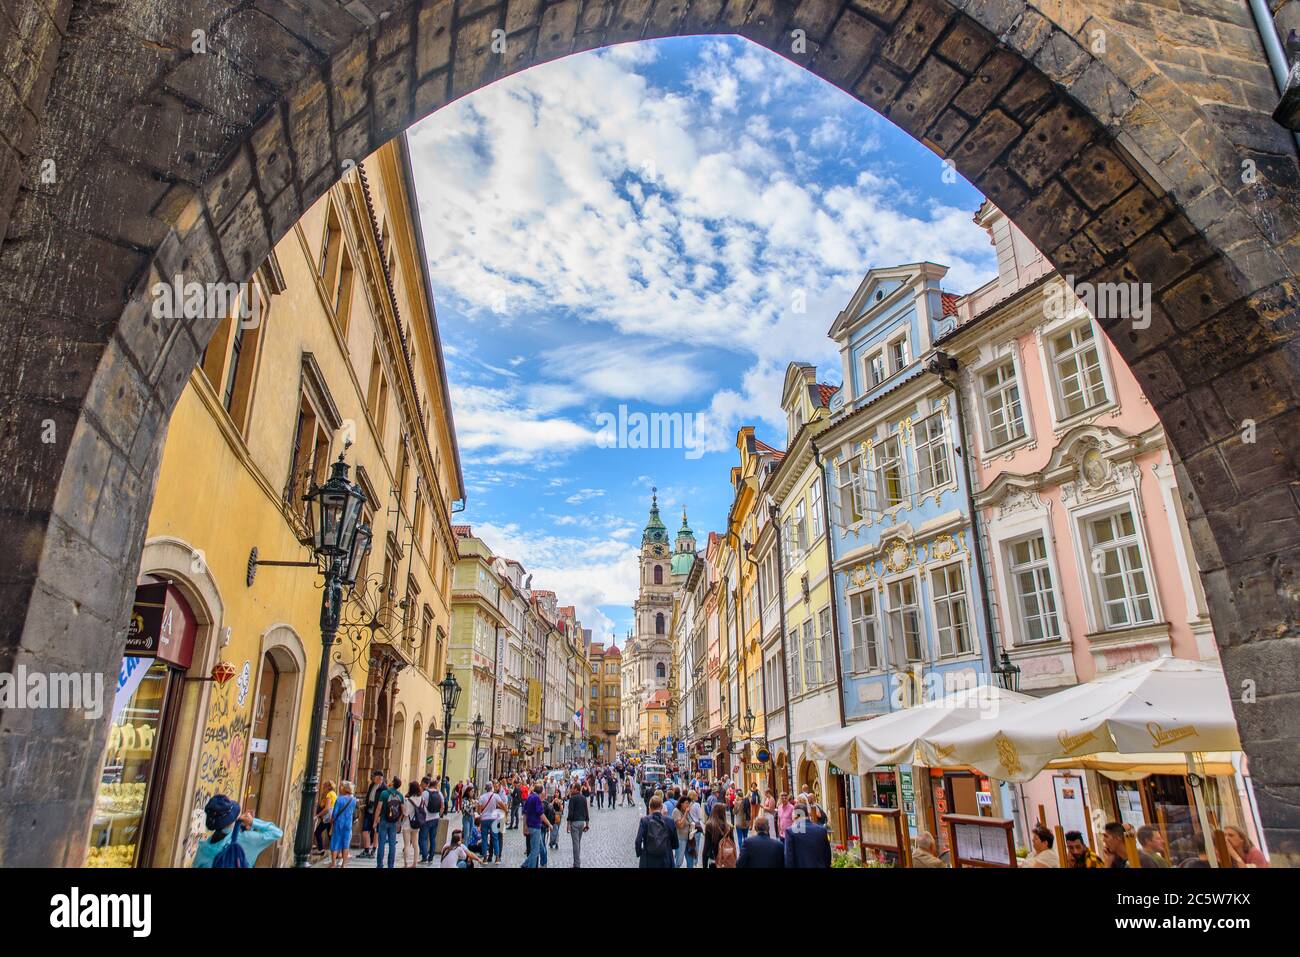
663, 225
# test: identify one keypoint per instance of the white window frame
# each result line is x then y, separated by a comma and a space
891, 358
826, 642
869, 380
815, 507
1035, 567
883, 503
812, 665
1083, 555
872, 648
1051, 364
929, 445
794, 662
1130, 599
984, 393
890, 610
855, 466
952, 600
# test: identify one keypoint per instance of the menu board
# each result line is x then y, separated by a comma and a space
878, 829
976, 843
980, 841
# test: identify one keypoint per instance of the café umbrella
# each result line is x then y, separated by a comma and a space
892, 738
1167, 706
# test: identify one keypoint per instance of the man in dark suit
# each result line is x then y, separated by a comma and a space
806, 844
761, 850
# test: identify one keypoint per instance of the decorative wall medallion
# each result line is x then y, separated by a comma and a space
942, 548
860, 575
1094, 468
898, 556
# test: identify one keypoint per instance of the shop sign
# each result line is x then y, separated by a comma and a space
755, 768
984, 798
908, 795
706, 764
161, 626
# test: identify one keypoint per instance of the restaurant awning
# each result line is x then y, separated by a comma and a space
892, 738
1134, 767
1166, 707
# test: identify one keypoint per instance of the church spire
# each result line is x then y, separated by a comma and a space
654, 528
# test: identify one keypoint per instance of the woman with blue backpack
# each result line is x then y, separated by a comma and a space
237, 838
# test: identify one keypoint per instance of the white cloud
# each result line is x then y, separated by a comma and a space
659, 224
584, 572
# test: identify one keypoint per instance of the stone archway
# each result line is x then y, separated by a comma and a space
133, 158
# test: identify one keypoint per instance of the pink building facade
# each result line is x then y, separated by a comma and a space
1085, 540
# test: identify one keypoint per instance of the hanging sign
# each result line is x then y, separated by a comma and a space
161, 625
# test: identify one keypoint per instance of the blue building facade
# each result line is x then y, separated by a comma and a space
912, 618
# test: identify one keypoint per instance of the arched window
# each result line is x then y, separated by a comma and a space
659, 574
659, 624
659, 671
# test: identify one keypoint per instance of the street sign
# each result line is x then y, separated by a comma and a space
681, 747
706, 764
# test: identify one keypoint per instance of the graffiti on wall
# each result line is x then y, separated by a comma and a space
221, 759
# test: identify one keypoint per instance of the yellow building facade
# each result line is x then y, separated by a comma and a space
332, 348
743, 613
799, 666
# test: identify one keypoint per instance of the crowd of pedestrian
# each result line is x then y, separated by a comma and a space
688, 821
693, 822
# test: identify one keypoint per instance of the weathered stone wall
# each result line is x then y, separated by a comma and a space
31, 34
1124, 161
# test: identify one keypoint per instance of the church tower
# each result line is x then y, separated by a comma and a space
653, 610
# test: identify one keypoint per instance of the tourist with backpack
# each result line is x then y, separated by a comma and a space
389, 812
414, 813
719, 841
433, 805
237, 837
656, 838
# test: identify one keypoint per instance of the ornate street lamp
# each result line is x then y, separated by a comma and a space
747, 723
449, 687
477, 725
339, 546
551, 740
1008, 673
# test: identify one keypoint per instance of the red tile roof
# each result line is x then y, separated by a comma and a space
764, 447
462, 531
658, 700
949, 303
826, 391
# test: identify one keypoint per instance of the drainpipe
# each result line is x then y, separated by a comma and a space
940, 365
773, 515
496, 680
830, 570
1273, 50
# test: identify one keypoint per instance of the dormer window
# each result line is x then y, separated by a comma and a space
900, 356
874, 370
